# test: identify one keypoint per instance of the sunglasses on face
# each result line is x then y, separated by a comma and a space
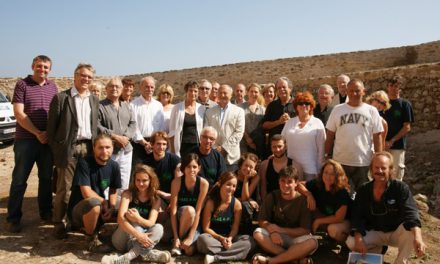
303, 103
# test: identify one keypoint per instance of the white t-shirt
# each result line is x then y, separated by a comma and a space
305, 145
354, 128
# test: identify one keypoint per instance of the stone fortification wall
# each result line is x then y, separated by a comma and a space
419, 64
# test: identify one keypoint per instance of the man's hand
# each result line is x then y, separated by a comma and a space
284, 118
276, 238
359, 245
419, 247
42, 137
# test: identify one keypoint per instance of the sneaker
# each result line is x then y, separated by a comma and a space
115, 259
161, 256
59, 231
96, 246
208, 259
13, 227
176, 252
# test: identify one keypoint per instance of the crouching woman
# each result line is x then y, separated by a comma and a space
138, 231
221, 220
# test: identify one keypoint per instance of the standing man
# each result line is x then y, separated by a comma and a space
116, 120
279, 111
148, 113
352, 128
399, 118
204, 92
213, 163
323, 108
385, 214
239, 94
31, 100
341, 96
214, 92
228, 120
72, 125
88, 205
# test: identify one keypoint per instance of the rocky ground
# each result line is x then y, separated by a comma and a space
36, 245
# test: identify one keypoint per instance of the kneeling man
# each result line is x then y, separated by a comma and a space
88, 207
385, 214
285, 223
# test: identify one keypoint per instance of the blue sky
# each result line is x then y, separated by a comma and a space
140, 36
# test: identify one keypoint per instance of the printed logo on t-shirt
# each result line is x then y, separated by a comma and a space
104, 184
353, 118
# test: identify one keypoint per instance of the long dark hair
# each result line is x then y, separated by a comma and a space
341, 180
152, 187
214, 194
187, 160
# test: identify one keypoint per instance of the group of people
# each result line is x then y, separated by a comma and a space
198, 173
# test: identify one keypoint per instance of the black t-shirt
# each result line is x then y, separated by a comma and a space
213, 165
164, 169
400, 112
328, 203
274, 111
98, 177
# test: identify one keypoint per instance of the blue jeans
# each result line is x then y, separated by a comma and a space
26, 153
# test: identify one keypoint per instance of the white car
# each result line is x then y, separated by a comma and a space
7, 120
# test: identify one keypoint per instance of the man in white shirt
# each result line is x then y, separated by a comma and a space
148, 113
352, 128
72, 125
341, 96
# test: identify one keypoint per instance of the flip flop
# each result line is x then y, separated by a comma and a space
256, 259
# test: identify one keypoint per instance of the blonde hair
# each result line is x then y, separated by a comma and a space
381, 97
166, 88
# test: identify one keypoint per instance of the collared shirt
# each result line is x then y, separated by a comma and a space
223, 113
397, 206
208, 104
36, 100
322, 114
83, 111
116, 120
149, 117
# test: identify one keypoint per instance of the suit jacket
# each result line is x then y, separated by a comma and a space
230, 132
337, 101
62, 125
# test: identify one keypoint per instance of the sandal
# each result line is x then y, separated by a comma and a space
306, 260
257, 259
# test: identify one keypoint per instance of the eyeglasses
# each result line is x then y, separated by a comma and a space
303, 103
207, 137
204, 88
166, 93
379, 101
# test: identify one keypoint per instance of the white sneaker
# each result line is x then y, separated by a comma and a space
176, 252
115, 259
208, 259
157, 256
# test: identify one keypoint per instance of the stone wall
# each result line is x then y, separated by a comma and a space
419, 64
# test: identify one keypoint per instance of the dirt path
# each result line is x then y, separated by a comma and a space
35, 243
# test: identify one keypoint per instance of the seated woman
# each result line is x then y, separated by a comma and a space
221, 219
138, 231
188, 194
331, 193
247, 182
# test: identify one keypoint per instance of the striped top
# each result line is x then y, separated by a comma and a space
36, 100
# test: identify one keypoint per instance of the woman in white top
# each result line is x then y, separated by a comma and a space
186, 121
165, 96
305, 136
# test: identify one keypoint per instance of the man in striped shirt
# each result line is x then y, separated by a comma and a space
31, 100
